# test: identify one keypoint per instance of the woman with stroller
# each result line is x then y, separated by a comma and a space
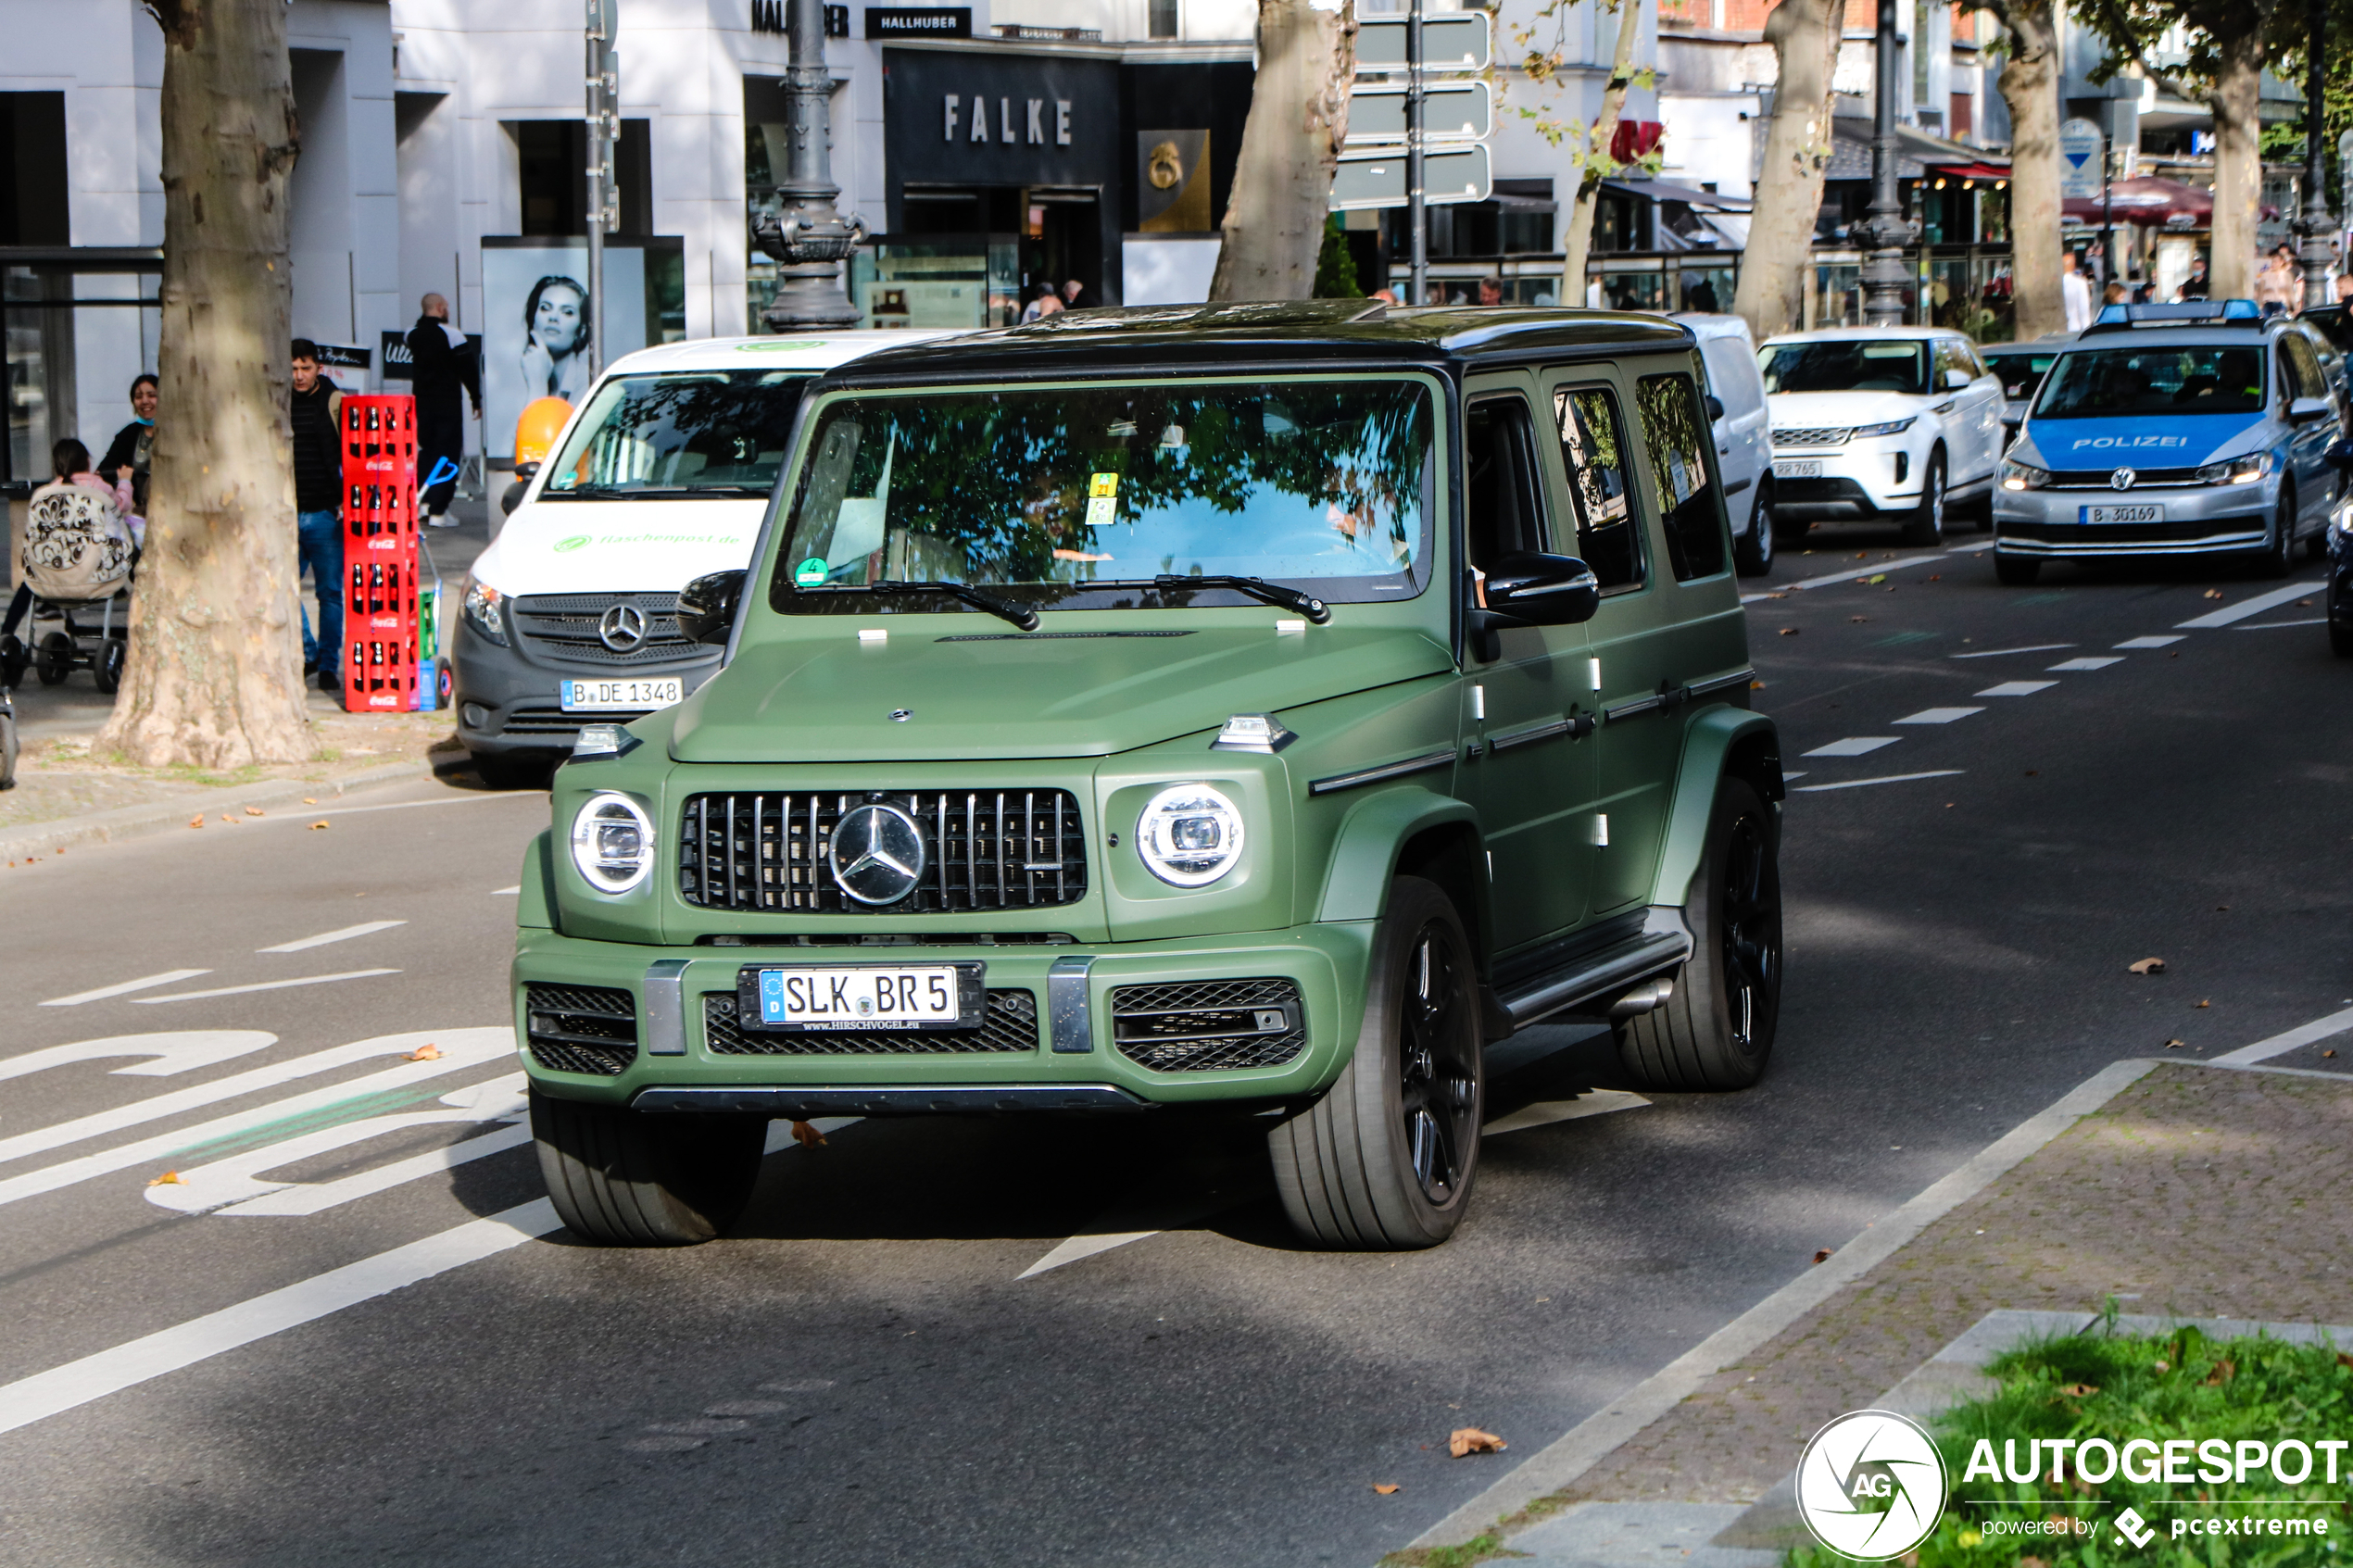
75, 509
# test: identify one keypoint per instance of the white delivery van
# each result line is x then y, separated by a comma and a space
662, 474
1743, 454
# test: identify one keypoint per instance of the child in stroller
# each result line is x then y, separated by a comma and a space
80, 547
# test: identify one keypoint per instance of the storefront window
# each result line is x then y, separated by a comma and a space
946, 282
73, 339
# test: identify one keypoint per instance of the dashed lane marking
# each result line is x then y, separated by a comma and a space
174, 1050
1891, 778
2017, 688
538, 796
2003, 653
1902, 563
2164, 642
168, 977
2100, 662
1852, 745
1079, 1246
2247, 609
2283, 625
1938, 715
1599, 1102
365, 928
263, 985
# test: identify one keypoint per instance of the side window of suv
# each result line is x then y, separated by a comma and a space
1609, 536
1674, 436
2304, 366
1505, 484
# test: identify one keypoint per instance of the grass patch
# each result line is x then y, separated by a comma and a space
1478, 1548
2119, 1388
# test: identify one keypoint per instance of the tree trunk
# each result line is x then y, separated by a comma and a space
1804, 34
215, 673
2029, 86
2238, 175
1597, 154
1290, 142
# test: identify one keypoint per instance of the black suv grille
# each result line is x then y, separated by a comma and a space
1201, 1025
590, 1029
983, 850
1009, 1024
566, 627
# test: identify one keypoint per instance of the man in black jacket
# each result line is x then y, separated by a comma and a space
441, 366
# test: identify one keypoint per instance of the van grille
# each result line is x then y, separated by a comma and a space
1009, 1024
590, 1029
1206, 1025
565, 628
983, 850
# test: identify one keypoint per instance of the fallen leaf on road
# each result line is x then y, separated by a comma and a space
2328, 1053
427, 1052
2206, 1003
1862, 555
2147, 966
1878, 577
807, 1136
1788, 631
1776, 596
197, 821
1856, 619
2080, 1390
1936, 577
1823, 1256
2304, 604
2214, 592
169, 1179
1386, 1488
316, 826
1471, 1440
1756, 685
2170, 1044
230, 820
310, 800
255, 812
2221, 908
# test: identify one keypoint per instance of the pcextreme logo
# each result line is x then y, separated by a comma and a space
1872, 1486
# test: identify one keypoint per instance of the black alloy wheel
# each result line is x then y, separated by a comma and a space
1751, 936
1438, 1079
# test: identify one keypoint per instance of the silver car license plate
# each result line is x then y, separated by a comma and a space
2143, 511
797, 998
622, 696
1802, 468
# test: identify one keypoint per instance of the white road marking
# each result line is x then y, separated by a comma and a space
2017, 688
2283, 625
1798, 773
262, 986
2098, 661
1891, 778
459, 1049
175, 1050
125, 1366
1903, 564
780, 1131
2247, 608
1079, 1246
168, 977
1852, 745
1938, 715
2003, 653
2165, 642
1597, 1102
365, 928
233, 1184
505, 892
2280, 1045
538, 796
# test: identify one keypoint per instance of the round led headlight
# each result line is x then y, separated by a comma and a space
612, 843
1190, 835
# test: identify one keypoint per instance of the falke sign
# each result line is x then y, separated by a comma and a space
1033, 126
1004, 118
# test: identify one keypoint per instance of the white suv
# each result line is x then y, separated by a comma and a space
1900, 422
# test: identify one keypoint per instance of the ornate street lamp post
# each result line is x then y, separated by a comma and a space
1886, 231
2315, 224
808, 238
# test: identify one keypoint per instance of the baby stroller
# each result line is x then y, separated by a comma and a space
78, 559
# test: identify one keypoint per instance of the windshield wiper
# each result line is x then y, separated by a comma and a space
1257, 588
1002, 608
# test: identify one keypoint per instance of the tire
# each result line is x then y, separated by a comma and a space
106, 669
14, 660
1714, 1031
7, 746
1385, 1159
53, 661
630, 1178
1926, 525
2341, 640
514, 772
2277, 557
2015, 571
1753, 551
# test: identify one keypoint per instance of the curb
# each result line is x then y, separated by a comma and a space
157, 816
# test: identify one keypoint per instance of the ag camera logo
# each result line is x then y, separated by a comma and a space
1872, 1486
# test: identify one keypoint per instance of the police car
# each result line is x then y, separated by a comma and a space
2171, 429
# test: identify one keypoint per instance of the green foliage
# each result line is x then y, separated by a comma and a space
1335, 264
2122, 1386
1478, 1548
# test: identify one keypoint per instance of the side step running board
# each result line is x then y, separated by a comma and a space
1661, 943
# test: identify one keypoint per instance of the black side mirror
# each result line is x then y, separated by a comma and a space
1714, 407
2340, 456
525, 470
1543, 590
512, 498
707, 606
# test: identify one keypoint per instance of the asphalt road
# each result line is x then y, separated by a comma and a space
875, 1369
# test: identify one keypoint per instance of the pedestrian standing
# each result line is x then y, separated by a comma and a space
133, 445
2075, 292
440, 366
317, 417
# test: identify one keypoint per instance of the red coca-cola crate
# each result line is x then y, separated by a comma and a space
379, 437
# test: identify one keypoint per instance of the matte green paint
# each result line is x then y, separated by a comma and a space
1709, 736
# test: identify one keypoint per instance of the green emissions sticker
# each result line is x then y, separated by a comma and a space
562, 545
810, 572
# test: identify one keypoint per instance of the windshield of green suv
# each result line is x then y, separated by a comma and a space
694, 434
1895, 364
1085, 491
2170, 379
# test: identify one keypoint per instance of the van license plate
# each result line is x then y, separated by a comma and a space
1808, 468
2145, 512
862, 997
612, 697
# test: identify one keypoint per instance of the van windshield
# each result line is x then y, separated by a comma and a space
1086, 494
2105, 383
716, 434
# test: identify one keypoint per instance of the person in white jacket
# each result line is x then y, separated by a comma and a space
2075, 292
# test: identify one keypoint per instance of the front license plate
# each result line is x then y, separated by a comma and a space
2145, 512
799, 998
1808, 468
605, 696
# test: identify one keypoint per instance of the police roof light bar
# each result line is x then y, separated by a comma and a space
2188, 313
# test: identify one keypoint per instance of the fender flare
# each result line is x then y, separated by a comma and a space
535, 907
1364, 854
1710, 738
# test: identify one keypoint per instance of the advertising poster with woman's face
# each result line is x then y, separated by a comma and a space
538, 323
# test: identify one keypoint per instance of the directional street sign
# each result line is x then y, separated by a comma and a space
1451, 172
1451, 112
2080, 144
1456, 40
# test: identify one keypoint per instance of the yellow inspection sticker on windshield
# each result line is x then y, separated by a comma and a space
1102, 485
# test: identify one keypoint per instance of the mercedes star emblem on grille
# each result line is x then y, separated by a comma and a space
623, 629
2121, 479
877, 853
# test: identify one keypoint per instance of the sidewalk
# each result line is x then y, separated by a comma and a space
2194, 1192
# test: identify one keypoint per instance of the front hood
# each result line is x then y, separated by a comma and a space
2185, 441
828, 698
1833, 410
612, 547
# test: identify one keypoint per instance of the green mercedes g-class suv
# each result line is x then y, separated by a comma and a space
1267, 707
